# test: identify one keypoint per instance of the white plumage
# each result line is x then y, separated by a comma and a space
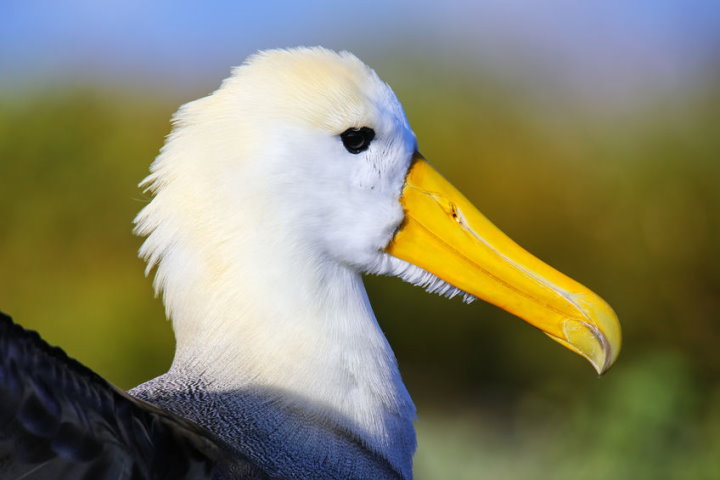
261, 225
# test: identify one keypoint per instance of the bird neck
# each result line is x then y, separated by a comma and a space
289, 323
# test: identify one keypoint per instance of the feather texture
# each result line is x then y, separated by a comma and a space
60, 420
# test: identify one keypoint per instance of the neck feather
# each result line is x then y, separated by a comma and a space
278, 318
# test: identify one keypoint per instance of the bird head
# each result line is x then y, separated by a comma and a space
309, 148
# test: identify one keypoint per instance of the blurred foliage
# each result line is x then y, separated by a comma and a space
628, 204
651, 420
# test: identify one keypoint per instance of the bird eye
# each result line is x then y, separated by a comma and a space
357, 140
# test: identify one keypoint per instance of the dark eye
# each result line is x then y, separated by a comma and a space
357, 140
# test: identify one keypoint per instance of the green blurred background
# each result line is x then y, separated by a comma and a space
590, 134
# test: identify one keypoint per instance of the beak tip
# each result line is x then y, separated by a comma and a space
607, 353
603, 366
598, 342
598, 337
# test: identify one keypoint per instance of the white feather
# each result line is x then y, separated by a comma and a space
261, 225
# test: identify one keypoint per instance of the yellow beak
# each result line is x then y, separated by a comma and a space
446, 235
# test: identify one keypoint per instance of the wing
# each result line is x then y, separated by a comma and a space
60, 420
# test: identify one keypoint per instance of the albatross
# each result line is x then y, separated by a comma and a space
271, 198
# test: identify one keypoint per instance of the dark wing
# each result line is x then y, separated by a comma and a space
60, 420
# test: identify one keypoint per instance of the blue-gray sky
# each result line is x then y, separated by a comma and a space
608, 47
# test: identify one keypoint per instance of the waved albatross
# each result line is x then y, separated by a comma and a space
271, 197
